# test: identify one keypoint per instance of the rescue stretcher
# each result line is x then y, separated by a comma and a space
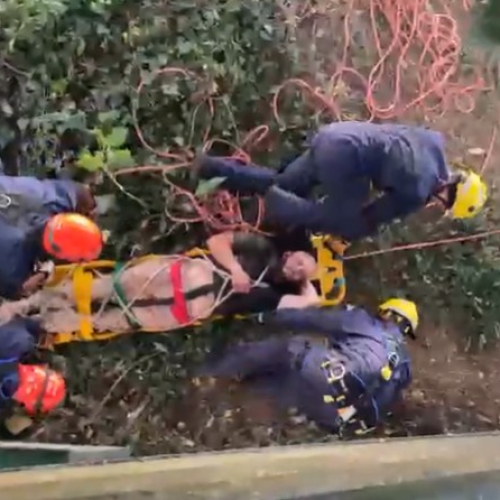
330, 281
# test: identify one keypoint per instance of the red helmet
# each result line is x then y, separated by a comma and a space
72, 237
41, 390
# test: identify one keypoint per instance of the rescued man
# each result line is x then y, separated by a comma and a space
243, 274
346, 162
348, 383
29, 389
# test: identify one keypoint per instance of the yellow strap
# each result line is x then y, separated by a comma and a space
82, 286
330, 269
386, 373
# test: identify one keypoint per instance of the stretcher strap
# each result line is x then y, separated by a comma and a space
121, 297
179, 307
82, 287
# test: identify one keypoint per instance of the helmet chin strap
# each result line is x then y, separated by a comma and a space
451, 192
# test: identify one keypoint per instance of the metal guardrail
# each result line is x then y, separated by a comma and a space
277, 473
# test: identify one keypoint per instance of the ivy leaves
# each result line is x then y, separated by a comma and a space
111, 155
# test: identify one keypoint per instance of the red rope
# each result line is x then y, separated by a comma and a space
419, 59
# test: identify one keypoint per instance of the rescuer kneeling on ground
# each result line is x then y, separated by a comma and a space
347, 383
349, 162
29, 389
26, 254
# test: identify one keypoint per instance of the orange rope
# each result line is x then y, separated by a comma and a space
425, 244
417, 73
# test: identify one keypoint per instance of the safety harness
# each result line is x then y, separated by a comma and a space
177, 303
356, 403
356, 400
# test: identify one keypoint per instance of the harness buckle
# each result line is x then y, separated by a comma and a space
334, 373
387, 370
393, 360
5, 200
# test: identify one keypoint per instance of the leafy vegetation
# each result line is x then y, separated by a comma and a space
69, 104
490, 19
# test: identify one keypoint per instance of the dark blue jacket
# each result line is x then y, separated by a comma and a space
27, 202
403, 161
25, 205
20, 251
363, 345
18, 338
358, 337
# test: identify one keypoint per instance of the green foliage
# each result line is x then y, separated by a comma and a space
69, 74
490, 19
70, 66
110, 154
455, 284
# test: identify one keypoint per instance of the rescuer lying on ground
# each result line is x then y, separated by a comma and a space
348, 382
405, 165
27, 253
29, 389
162, 293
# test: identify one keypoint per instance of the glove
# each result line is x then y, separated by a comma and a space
48, 268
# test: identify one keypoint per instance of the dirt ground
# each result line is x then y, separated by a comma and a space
128, 404
453, 391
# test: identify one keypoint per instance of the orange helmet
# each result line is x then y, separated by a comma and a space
72, 237
40, 390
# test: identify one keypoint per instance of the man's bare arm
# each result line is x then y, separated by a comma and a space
308, 297
221, 248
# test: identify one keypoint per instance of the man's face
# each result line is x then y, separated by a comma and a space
299, 266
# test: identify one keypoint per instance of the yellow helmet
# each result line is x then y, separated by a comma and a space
403, 309
471, 195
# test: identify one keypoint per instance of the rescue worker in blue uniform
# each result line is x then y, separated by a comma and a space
29, 389
346, 384
26, 206
27, 254
347, 161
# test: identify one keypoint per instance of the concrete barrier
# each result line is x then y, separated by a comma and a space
276, 473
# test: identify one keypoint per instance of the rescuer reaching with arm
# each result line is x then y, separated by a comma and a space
348, 382
346, 161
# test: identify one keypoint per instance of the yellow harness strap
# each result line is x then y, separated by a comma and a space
329, 254
82, 286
